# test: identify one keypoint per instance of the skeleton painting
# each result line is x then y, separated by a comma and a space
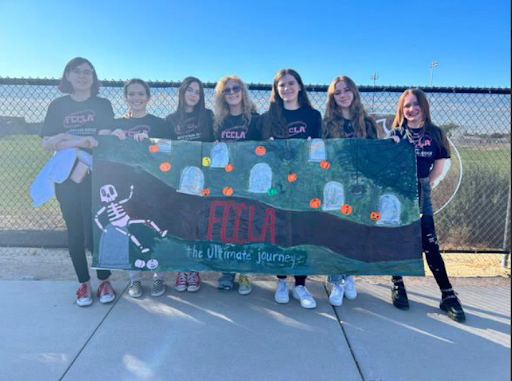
116, 231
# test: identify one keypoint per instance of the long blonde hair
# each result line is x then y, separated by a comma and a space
222, 107
333, 118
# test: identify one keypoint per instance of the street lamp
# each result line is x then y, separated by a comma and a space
434, 65
374, 77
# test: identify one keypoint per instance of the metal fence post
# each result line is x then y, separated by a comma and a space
506, 235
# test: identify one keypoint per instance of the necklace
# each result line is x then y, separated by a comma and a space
414, 138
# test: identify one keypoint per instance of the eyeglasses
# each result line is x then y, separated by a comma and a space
85, 72
232, 90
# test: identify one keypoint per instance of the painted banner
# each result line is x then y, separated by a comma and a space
297, 207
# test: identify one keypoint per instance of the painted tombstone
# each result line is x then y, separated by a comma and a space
260, 180
164, 145
220, 155
334, 196
192, 181
317, 151
390, 210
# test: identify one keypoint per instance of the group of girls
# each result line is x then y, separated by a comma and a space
72, 121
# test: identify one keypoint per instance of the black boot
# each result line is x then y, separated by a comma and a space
451, 304
399, 295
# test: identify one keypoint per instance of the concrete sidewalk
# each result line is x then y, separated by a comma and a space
216, 335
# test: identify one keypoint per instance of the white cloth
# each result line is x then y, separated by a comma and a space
57, 170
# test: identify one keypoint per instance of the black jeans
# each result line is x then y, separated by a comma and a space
75, 204
300, 280
429, 239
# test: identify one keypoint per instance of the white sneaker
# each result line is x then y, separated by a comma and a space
350, 288
302, 294
282, 294
337, 292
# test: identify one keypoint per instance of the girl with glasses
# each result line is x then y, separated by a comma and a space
345, 118
191, 121
72, 122
290, 116
236, 119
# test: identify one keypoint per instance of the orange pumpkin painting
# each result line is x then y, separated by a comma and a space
292, 177
154, 149
260, 150
228, 191
206, 192
325, 164
230, 168
375, 216
165, 167
315, 203
346, 210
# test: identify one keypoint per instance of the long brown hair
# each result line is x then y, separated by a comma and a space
333, 122
222, 107
275, 123
199, 108
400, 122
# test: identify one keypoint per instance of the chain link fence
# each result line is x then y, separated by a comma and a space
472, 201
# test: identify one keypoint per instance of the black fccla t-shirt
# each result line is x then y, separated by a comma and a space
427, 149
235, 128
86, 118
303, 123
189, 128
154, 126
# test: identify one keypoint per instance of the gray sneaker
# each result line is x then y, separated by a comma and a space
135, 290
158, 288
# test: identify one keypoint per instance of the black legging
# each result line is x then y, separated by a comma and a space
300, 280
432, 253
75, 204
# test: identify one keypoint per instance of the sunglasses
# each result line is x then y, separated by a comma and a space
232, 90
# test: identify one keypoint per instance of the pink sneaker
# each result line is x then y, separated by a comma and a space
181, 282
105, 292
83, 295
194, 281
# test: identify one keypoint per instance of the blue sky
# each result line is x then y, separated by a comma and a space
169, 40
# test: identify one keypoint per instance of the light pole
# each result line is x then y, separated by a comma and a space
374, 78
434, 65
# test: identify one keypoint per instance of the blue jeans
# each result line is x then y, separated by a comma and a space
336, 278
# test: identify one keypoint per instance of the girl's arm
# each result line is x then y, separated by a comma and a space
437, 170
65, 141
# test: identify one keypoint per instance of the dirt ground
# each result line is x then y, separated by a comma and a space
54, 264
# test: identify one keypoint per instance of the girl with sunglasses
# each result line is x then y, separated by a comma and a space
73, 121
236, 119
413, 124
191, 121
290, 116
345, 118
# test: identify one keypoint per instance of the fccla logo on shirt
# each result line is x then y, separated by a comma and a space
186, 127
138, 130
235, 133
79, 118
296, 128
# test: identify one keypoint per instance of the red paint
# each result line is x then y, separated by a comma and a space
241, 218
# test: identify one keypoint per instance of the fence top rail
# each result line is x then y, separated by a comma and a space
268, 87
